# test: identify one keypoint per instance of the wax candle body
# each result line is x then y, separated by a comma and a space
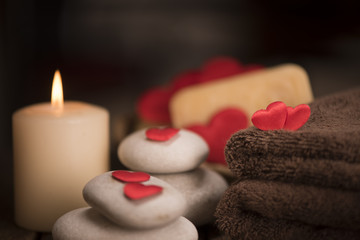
56, 152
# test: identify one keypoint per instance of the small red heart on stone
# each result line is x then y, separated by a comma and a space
136, 191
297, 116
272, 118
161, 134
221, 127
127, 176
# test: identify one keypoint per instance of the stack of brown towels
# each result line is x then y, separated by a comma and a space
302, 184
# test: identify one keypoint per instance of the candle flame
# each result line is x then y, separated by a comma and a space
57, 98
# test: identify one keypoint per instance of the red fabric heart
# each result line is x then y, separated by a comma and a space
219, 68
222, 67
184, 80
219, 130
153, 105
161, 134
127, 176
297, 116
272, 118
136, 191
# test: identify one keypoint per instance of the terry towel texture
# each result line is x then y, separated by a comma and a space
241, 224
302, 184
324, 152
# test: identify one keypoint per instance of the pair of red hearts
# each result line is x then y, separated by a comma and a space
279, 116
133, 189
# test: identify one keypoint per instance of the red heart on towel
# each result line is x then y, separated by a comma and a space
136, 191
272, 118
127, 176
161, 134
297, 116
221, 127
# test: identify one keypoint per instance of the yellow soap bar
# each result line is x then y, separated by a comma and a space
250, 92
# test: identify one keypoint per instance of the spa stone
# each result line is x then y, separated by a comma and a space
202, 189
183, 152
105, 194
87, 223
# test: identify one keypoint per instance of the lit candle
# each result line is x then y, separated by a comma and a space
58, 148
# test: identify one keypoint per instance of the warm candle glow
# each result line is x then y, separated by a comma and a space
57, 98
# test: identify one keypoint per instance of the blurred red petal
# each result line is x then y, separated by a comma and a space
153, 106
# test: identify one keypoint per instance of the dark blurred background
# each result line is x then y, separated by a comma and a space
109, 51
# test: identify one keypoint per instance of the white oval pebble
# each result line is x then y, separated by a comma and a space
87, 223
105, 194
202, 189
183, 152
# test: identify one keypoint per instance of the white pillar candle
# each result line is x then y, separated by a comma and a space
58, 148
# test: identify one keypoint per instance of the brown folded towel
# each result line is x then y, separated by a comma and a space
324, 152
306, 204
238, 223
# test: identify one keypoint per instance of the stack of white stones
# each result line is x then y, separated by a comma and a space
124, 209
125, 206
174, 156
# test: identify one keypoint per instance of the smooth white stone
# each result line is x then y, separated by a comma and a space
87, 223
105, 194
202, 189
184, 152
